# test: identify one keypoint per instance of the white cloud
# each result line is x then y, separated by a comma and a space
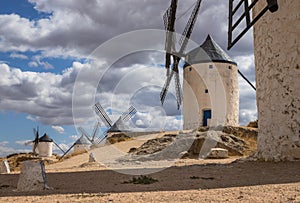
6, 150
74, 137
19, 56
59, 129
3, 143
29, 117
33, 64
47, 97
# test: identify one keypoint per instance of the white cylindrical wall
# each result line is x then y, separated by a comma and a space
210, 86
45, 149
277, 64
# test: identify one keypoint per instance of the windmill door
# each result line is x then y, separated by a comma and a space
206, 116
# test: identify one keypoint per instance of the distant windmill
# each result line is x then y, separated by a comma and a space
42, 139
171, 53
113, 127
94, 134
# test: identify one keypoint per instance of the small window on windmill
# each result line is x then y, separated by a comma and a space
229, 67
190, 69
210, 66
206, 91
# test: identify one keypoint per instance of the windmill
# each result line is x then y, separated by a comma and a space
93, 136
171, 53
118, 124
37, 140
111, 127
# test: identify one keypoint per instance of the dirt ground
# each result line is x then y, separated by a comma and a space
187, 180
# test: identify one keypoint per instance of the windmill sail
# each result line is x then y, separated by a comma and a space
95, 131
103, 115
36, 140
272, 6
84, 133
111, 127
92, 137
171, 12
126, 116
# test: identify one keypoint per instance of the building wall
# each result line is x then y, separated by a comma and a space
221, 81
277, 62
45, 149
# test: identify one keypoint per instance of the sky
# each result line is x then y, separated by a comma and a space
58, 58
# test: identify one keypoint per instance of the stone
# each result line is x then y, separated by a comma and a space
32, 176
92, 158
218, 153
4, 167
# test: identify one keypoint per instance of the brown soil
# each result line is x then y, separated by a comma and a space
188, 180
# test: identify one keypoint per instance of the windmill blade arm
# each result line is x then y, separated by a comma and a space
189, 27
101, 139
95, 131
169, 19
103, 115
67, 151
126, 116
59, 147
178, 90
166, 87
84, 133
34, 147
28, 143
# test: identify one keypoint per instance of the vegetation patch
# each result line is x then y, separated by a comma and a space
145, 180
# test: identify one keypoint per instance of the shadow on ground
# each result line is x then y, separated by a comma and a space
209, 176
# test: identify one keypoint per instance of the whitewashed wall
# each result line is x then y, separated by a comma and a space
277, 62
222, 98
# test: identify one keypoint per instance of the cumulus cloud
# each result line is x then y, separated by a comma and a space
6, 150
47, 97
58, 129
17, 55
100, 20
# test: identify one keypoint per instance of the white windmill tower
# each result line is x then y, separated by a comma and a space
210, 75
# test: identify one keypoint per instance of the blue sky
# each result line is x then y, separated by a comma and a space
44, 46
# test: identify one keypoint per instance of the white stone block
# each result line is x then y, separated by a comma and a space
4, 167
32, 176
218, 153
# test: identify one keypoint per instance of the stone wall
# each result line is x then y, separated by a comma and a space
277, 62
221, 81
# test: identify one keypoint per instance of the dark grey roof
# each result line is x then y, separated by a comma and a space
118, 126
83, 140
45, 138
209, 51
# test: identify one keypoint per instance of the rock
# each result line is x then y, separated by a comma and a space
204, 141
92, 158
133, 149
32, 176
218, 153
4, 167
184, 154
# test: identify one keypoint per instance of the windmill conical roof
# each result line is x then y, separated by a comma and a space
45, 138
209, 51
83, 140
